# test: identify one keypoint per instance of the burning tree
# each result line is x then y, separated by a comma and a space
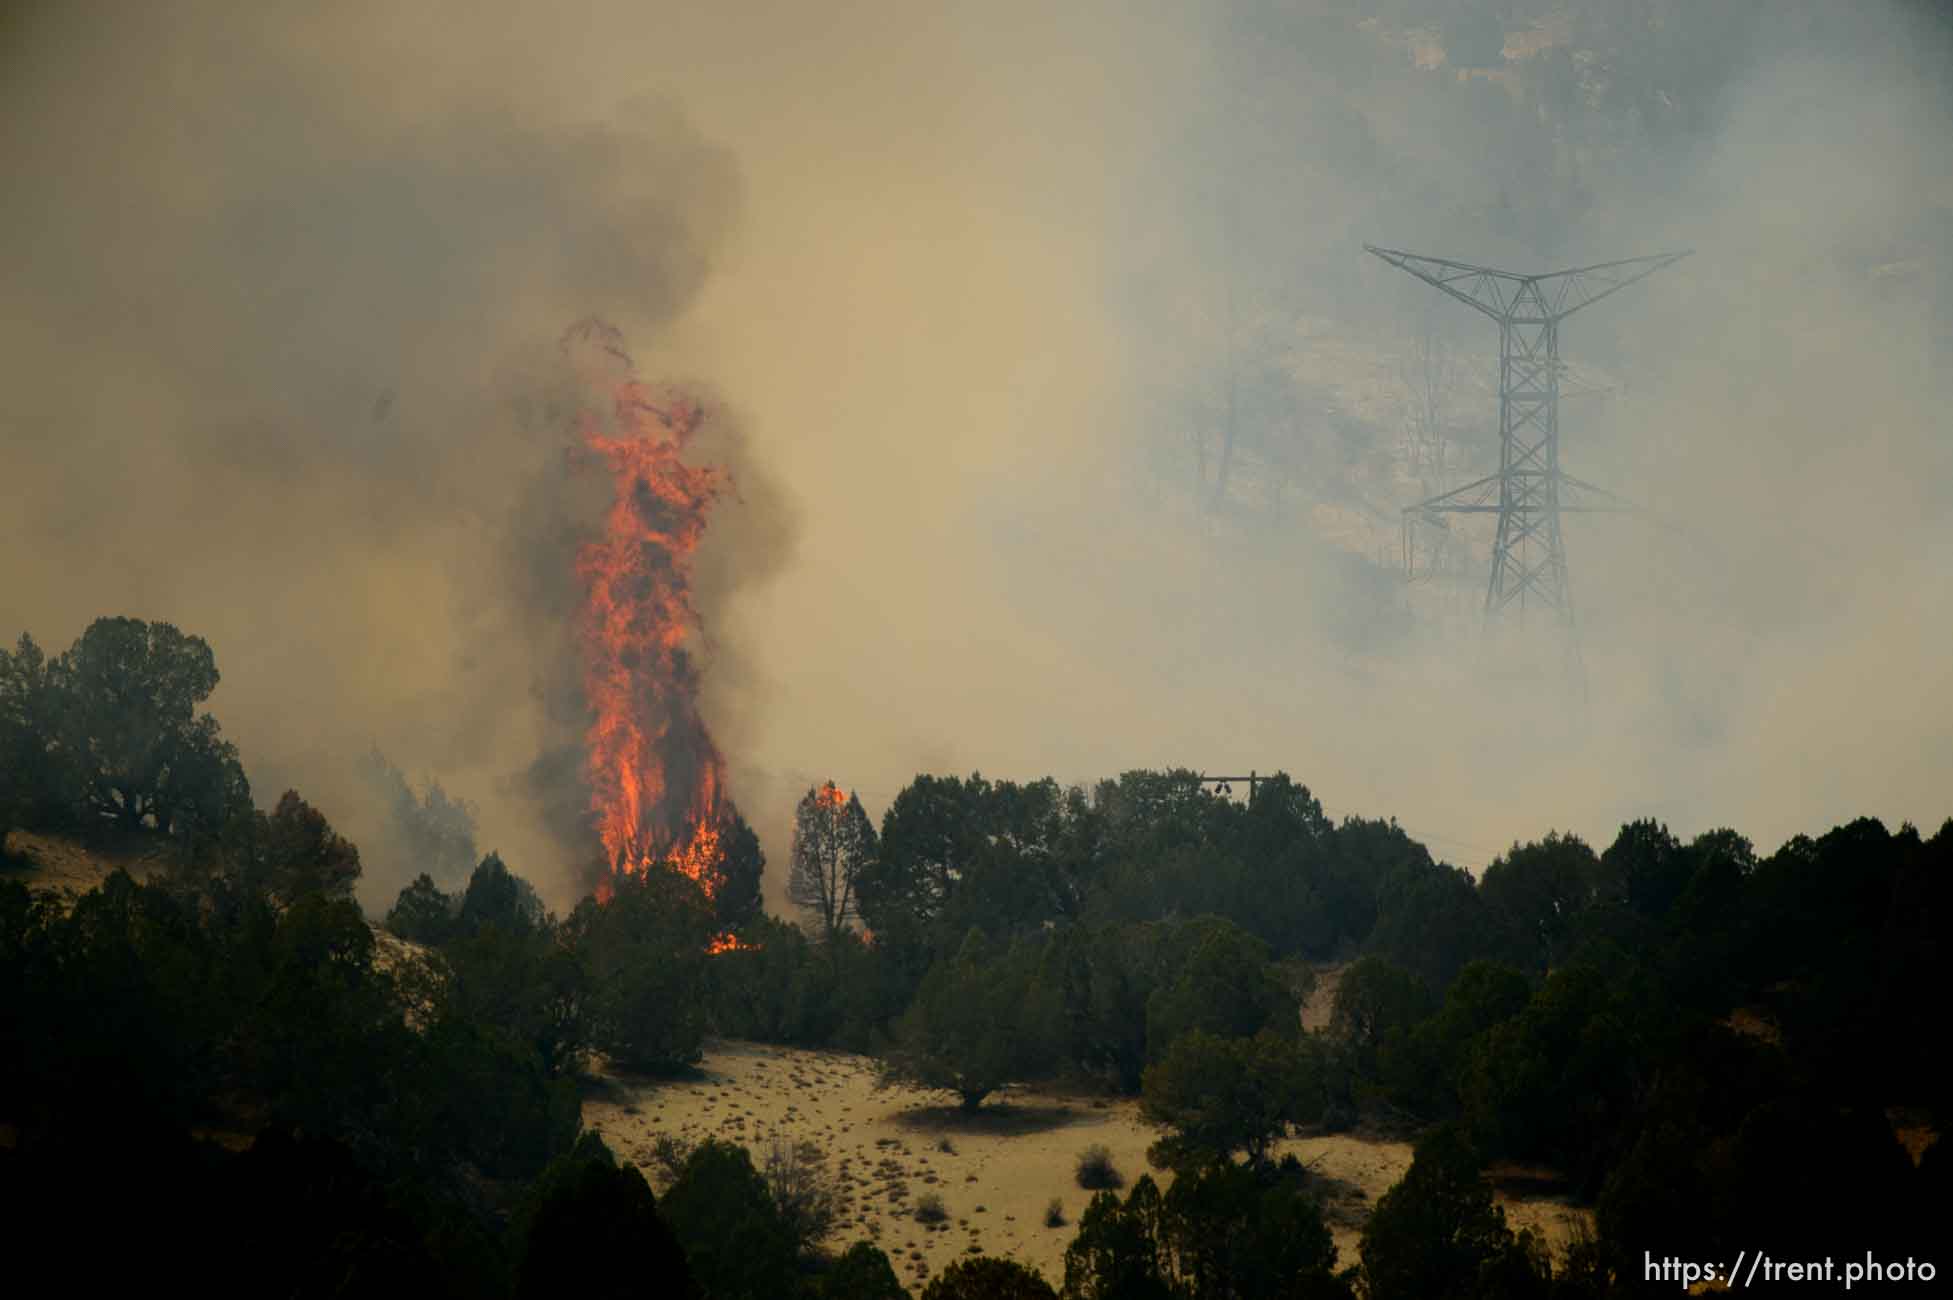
833, 842
657, 780
644, 948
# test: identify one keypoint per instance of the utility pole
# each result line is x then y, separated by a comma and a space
1225, 784
1530, 490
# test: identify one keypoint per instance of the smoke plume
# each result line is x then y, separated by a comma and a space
974, 300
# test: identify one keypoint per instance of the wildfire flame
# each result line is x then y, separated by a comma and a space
657, 780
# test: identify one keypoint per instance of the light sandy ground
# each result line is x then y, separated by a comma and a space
59, 865
1008, 1163
1321, 1002
67, 869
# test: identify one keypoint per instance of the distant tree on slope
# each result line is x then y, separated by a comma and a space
833, 842
125, 722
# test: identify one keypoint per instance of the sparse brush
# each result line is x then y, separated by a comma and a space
1096, 1172
803, 1190
946, 1146
1054, 1213
929, 1209
669, 1154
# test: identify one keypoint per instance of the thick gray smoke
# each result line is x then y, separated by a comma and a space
283, 370
977, 298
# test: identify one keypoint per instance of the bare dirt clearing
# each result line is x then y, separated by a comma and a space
70, 867
996, 1171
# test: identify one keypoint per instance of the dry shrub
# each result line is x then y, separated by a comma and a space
1096, 1172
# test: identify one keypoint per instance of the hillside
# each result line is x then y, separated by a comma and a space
67, 867
70, 867
996, 1172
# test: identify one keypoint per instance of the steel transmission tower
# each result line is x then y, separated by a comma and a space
1530, 491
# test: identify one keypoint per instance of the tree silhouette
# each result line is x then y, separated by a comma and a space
724, 1216
33, 786
742, 865
645, 954
931, 838
1645, 868
862, 1273
1239, 1233
528, 984
978, 1022
1437, 1235
1377, 1003
832, 843
1225, 988
289, 852
423, 913
1223, 1095
594, 1231
1538, 890
1431, 921
1223, 1231
141, 754
987, 1278
1426, 1072
1121, 1251
497, 896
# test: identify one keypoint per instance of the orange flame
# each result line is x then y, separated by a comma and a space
656, 778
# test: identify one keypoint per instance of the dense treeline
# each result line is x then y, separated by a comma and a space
1570, 1009
1689, 1035
1698, 1039
1675, 1028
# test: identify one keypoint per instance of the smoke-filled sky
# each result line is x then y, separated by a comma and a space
963, 288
